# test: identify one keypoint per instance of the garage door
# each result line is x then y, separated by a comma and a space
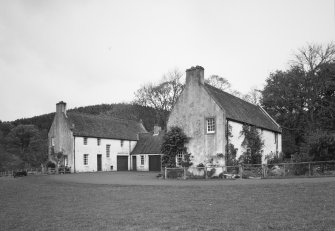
155, 163
122, 163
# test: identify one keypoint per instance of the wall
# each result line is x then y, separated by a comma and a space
93, 149
144, 167
267, 136
192, 108
63, 137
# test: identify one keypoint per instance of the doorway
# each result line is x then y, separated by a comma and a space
99, 162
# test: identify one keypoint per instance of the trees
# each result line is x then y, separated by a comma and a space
302, 98
174, 142
25, 141
162, 96
218, 82
253, 145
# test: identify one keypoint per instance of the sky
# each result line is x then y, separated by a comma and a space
88, 52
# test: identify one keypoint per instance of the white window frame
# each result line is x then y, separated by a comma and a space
85, 158
210, 125
108, 150
179, 158
142, 159
85, 140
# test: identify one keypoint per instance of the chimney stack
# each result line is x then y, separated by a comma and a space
61, 108
157, 129
195, 75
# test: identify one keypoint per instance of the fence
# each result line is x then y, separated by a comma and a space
248, 171
33, 171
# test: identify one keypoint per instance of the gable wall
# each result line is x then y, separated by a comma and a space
192, 108
63, 137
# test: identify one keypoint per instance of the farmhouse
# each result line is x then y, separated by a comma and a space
93, 143
205, 113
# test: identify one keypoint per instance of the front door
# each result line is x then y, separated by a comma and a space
134, 163
99, 164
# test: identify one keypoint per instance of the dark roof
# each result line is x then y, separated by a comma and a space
104, 126
242, 111
149, 144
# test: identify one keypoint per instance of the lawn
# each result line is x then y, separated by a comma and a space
61, 203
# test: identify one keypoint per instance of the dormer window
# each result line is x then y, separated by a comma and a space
85, 140
210, 123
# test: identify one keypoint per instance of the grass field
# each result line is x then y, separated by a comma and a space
97, 202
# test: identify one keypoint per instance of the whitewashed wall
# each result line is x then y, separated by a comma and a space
145, 166
267, 136
93, 149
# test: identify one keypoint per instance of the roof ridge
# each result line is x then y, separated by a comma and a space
102, 116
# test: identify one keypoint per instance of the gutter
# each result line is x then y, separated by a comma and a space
74, 154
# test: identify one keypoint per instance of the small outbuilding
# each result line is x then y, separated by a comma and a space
146, 156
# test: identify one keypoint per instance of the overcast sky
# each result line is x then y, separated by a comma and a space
93, 52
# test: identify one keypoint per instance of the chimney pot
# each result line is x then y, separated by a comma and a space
195, 75
61, 108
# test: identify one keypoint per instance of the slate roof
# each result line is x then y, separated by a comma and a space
242, 111
149, 144
104, 126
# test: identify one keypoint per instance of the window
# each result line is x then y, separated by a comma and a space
52, 141
179, 159
211, 125
276, 138
121, 143
142, 160
98, 141
108, 149
85, 140
85, 159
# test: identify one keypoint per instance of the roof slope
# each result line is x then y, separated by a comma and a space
104, 126
149, 144
242, 111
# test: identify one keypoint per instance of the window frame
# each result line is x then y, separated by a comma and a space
85, 159
108, 150
85, 140
179, 159
207, 119
142, 160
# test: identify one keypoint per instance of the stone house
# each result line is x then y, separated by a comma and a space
205, 113
93, 143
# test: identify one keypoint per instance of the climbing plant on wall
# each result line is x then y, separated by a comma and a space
231, 151
174, 142
252, 144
